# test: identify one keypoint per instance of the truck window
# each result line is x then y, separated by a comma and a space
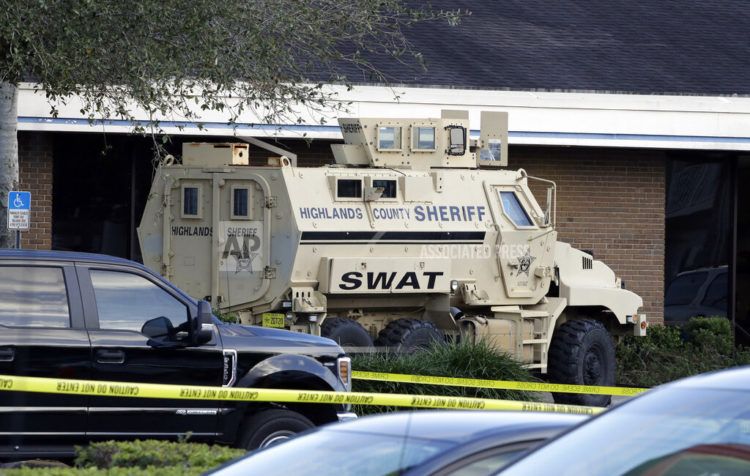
684, 288
125, 301
514, 210
423, 138
240, 203
716, 294
389, 187
389, 138
33, 297
191, 199
349, 188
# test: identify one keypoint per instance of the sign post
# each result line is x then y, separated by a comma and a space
19, 213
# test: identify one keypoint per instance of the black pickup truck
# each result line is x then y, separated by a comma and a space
82, 316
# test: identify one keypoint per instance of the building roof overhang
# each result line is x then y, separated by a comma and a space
536, 118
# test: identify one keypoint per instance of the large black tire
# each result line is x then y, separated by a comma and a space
346, 332
582, 353
270, 427
408, 335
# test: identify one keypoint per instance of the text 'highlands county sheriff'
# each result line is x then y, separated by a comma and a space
419, 213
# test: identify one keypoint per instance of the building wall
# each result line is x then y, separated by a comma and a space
35, 159
611, 202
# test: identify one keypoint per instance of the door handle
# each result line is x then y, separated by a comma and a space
7, 354
105, 356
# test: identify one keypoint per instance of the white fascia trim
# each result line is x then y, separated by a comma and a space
536, 118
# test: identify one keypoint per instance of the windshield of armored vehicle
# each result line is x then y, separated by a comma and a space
514, 210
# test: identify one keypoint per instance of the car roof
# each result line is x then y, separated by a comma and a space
717, 269
65, 256
737, 378
454, 425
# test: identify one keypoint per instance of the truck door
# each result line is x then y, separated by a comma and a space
42, 334
523, 246
118, 301
244, 240
218, 238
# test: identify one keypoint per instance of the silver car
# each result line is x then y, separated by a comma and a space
696, 426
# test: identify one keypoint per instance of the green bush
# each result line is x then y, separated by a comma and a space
139, 458
710, 333
670, 353
450, 360
229, 316
149, 471
153, 453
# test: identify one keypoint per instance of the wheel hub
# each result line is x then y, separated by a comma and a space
592, 367
275, 438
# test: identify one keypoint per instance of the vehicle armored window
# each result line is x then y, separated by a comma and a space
191, 201
389, 138
422, 138
349, 188
240, 203
389, 187
513, 209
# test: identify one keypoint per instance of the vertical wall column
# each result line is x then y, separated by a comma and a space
35, 157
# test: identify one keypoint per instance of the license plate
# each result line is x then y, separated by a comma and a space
273, 320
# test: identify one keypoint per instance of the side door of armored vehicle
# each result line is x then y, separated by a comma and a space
138, 326
42, 334
524, 248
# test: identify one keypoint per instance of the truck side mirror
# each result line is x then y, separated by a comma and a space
198, 334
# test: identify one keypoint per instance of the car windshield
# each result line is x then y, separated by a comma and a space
675, 431
340, 453
684, 288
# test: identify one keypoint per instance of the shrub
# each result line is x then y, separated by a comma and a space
229, 316
450, 360
152, 453
669, 353
149, 471
710, 333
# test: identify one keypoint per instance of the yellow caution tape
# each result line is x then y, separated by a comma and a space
190, 392
497, 384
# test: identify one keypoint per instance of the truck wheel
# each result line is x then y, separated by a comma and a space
270, 427
582, 353
346, 332
407, 335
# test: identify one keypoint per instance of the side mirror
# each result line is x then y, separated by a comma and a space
456, 140
200, 336
158, 327
161, 333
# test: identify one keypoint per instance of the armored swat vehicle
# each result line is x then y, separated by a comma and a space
416, 234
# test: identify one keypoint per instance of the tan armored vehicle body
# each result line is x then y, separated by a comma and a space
416, 234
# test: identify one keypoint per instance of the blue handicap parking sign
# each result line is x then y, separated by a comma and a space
19, 201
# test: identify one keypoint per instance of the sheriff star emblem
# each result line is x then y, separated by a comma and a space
524, 263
